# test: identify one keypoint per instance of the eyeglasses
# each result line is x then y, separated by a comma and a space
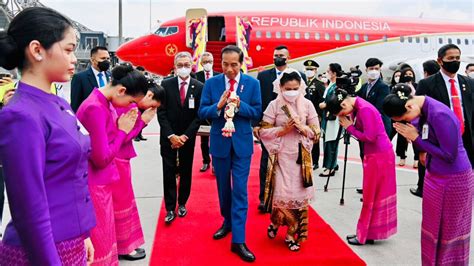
183, 65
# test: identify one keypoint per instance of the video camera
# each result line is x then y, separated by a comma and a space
349, 80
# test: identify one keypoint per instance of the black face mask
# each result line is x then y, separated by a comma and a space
104, 65
406, 79
451, 67
279, 61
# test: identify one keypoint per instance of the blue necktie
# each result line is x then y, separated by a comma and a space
101, 80
278, 73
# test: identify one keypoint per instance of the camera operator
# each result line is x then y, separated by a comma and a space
378, 218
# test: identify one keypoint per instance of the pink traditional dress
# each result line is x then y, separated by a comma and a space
378, 217
285, 192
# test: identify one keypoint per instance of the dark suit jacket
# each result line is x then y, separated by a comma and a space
377, 94
175, 118
314, 93
82, 85
201, 76
435, 87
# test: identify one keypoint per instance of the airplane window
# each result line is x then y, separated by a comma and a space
348, 37
402, 38
278, 35
268, 34
425, 40
171, 31
327, 36
161, 31
417, 39
317, 35
366, 38
297, 35
337, 37
459, 41
440, 40
384, 38
410, 39
306, 35
466, 41
450, 41
258, 34
288, 35
356, 37
166, 31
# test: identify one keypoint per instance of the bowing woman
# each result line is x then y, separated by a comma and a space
449, 183
46, 171
378, 217
97, 114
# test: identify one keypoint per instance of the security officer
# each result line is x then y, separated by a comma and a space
314, 92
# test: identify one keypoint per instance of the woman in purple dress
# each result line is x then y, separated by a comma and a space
42, 148
449, 185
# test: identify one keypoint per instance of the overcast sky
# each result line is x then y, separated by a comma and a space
103, 15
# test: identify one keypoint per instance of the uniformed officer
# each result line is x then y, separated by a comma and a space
314, 92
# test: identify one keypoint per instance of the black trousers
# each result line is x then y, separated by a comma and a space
421, 176
172, 191
205, 150
2, 192
263, 172
315, 153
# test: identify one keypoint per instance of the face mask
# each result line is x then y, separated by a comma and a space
279, 61
407, 79
324, 80
451, 67
310, 73
471, 74
207, 67
373, 74
104, 65
184, 72
397, 79
291, 96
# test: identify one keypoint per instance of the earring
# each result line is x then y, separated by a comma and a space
39, 58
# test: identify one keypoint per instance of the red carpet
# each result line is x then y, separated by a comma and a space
188, 241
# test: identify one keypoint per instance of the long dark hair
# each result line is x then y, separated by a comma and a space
393, 82
403, 75
132, 79
35, 23
336, 68
333, 104
394, 103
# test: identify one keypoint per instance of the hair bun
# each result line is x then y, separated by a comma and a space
9, 54
402, 90
341, 94
121, 70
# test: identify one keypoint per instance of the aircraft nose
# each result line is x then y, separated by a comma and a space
134, 49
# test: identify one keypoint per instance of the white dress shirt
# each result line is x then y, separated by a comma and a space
227, 82
180, 80
211, 74
448, 87
96, 75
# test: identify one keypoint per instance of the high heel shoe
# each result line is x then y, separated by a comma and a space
272, 231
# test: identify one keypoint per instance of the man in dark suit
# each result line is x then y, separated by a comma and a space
95, 76
314, 92
281, 55
207, 61
179, 124
231, 156
455, 91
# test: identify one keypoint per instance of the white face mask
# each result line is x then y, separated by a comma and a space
471, 74
373, 74
310, 73
324, 80
397, 79
291, 96
184, 72
207, 67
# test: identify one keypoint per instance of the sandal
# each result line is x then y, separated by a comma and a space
272, 231
292, 245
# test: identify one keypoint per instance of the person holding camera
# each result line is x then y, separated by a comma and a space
330, 125
289, 129
378, 217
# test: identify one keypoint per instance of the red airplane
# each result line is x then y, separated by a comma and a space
325, 39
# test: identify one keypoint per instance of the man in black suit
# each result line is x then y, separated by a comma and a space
442, 86
179, 124
314, 92
281, 55
207, 61
95, 76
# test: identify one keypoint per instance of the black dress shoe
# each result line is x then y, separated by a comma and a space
359, 190
141, 137
222, 232
182, 211
354, 241
139, 255
137, 139
350, 236
315, 166
204, 167
243, 251
261, 207
170, 216
416, 192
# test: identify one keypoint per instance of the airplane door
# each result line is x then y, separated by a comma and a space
193, 16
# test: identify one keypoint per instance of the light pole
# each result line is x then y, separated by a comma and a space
120, 22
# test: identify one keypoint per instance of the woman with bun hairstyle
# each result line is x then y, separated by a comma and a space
108, 133
449, 184
46, 172
378, 217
